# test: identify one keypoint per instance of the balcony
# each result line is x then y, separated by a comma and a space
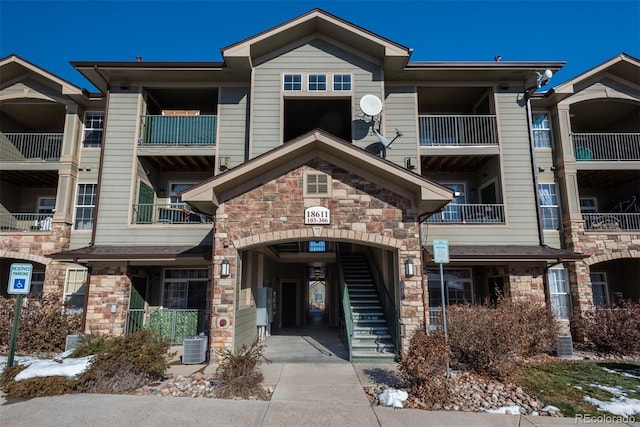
457, 130
166, 214
469, 214
29, 147
175, 325
12, 222
611, 222
606, 146
178, 130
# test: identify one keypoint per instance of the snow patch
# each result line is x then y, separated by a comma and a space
65, 367
511, 410
634, 373
620, 405
550, 408
616, 391
393, 397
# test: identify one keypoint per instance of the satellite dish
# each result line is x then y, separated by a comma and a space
371, 105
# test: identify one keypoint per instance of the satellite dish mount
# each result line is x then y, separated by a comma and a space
372, 106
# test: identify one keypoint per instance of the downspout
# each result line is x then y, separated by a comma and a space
101, 162
534, 167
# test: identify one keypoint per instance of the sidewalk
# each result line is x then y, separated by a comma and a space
306, 394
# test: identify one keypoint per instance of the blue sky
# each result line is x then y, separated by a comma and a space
584, 33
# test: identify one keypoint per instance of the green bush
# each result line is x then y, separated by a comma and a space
423, 368
238, 375
490, 341
44, 324
613, 329
122, 363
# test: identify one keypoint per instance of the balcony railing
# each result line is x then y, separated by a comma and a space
166, 214
24, 222
469, 214
606, 146
176, 325
21, 147
178, 130
611, 222
454, 130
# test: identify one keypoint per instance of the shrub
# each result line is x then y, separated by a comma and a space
238, 375
490, 340
34, 387
44, 324
613, 329
122, 363
423, 368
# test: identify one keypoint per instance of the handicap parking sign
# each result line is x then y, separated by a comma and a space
20, 279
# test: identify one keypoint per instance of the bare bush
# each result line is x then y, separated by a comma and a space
238, 375
44, 324
613, 329
423, 368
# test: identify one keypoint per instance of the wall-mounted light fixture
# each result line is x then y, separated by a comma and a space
408, 268
224, 268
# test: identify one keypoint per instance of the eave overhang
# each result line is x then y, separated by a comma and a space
121, 253
207, 196
509, 253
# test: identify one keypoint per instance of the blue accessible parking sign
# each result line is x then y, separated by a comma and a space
20, 279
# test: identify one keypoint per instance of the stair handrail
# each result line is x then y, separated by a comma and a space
346, 304
388, 305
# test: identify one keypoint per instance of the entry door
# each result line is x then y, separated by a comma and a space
289, 304
135, 317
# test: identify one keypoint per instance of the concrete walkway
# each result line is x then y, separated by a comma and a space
306, 394
313, 386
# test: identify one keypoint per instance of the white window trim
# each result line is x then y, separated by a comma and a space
171, 193
67, 294
76, 205
326, 83
187, 280
548, 129
333, 76
302, 83
85, 129
565, 293
556, 206
595, 204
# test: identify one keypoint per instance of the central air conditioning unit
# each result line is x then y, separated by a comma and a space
194, 350
565, 346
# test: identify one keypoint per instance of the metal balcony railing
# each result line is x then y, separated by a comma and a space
177, 213
178, 130
454, 130
606, 146
24, 222
21, 147
469, 214
611, 222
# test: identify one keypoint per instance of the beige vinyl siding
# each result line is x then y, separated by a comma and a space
315, 56
245, 327
118, 185
400, 112
517, 187
232, 124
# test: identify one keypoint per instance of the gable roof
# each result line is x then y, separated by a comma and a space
623, 65
240, 55
13, 67
427, 195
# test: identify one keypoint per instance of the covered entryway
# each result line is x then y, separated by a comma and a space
271, 216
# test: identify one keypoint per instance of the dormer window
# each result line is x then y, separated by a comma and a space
341, 82
292, 82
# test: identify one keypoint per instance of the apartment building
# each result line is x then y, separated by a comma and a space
303, 180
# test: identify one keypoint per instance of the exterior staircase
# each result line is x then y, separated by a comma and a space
371, 340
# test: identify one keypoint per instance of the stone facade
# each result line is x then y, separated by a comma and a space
361, 212
107, 287
526, 283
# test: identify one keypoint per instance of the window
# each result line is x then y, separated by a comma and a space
316, 184
93, 127
599, 288
185, 288
46, 205
559, 290
175, 188
458, 289
588, 205
74, 288
317, 82
549, 206
85, 205
342, 82
317, 246
541, 130
292, 82
37, 283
